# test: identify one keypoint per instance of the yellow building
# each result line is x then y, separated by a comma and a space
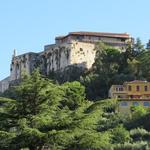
132, 93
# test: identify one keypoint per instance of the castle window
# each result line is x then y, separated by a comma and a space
129, 88
145, 88
79, 38
124, 104
135, 103
121, 89
137, 88
146, 104
122, 40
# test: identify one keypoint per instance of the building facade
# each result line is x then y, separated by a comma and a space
75, 48
134, 93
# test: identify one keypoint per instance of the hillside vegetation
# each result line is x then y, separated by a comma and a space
41, 114
111, 67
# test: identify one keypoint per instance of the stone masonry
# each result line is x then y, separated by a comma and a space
76, 48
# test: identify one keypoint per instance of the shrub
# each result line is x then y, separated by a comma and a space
139, 134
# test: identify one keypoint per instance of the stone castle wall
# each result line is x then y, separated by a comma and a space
19, 64
83, 54
4, 84
54, 57
71, 50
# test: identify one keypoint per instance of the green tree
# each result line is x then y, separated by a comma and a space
144, 68
138, 46
120, 135
140, 134
148, 45
98, 80
134, 68
49, 115
74, 95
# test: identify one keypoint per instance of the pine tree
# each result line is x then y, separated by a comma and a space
138, 46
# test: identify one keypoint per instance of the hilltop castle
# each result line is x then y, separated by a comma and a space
76, 48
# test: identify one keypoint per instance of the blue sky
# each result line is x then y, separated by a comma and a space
28, 25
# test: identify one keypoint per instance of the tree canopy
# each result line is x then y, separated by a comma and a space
40, 114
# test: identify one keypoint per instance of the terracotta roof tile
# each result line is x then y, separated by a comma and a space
101, 34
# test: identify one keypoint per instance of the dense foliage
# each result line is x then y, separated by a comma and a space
40, 114
45, 115
112, 66
115, 67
